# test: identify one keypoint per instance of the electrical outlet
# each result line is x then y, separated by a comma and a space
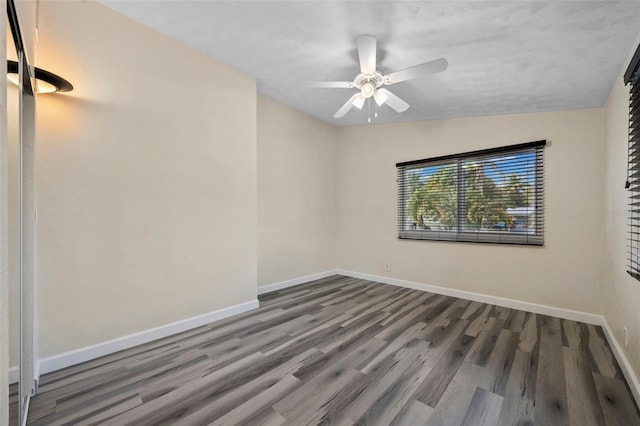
387, 268
626, 336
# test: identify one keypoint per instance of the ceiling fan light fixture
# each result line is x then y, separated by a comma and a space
368, 89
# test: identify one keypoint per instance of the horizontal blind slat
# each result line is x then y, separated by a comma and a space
633, 179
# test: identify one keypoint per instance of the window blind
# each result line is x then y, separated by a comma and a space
489, 196
632, 77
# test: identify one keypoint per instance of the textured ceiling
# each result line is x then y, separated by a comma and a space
504, 57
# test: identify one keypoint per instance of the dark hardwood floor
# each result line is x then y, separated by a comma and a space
13, 404
346, 351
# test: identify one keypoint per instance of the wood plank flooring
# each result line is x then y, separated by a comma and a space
13, 404
346, 351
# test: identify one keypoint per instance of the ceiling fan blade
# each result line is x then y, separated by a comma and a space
367, 54
330, 84
393, 101
346, 107
358, 102
380, 97
416, 71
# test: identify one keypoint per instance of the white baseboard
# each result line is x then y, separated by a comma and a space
13, 375
623, 361
296, 281
483, 298
77, 356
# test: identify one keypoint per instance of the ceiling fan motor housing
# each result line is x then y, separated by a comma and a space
368, 83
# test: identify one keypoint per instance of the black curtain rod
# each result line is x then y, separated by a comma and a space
534, 144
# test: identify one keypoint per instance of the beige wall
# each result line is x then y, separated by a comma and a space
147, 180
296, 194
565, 273
621, 292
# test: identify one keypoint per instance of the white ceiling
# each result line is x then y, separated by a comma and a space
504, 56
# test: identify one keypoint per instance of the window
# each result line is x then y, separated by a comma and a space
632, 76
489, 196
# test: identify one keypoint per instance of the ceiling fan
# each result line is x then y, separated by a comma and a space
370, 80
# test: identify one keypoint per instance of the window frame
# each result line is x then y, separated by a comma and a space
632, 184
459, 234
